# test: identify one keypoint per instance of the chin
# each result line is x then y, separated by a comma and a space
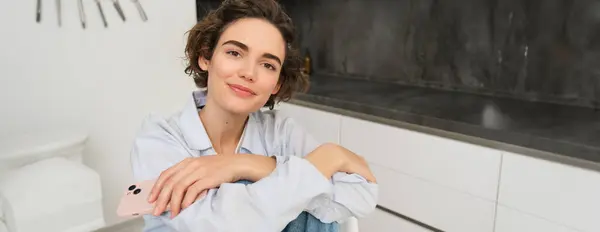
241, 106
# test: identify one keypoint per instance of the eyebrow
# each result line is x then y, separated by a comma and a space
245, 48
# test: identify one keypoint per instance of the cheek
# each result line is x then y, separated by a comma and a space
223, 68
269, 83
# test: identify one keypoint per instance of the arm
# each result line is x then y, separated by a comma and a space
256, 167
352, 195
267, 205
329, 159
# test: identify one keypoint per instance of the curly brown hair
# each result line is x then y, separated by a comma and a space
203, 38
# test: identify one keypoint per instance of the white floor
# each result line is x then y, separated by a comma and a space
135, 225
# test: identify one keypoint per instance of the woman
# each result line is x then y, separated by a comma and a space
242, 55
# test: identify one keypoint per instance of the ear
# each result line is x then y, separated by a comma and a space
203, 63
276, 89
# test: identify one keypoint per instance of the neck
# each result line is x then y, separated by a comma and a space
223, 128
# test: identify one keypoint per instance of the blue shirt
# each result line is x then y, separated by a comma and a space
266, 205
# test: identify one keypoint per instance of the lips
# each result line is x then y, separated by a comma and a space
241, 90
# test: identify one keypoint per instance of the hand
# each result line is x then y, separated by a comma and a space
357, 164
181, 185
327, 158
332, 158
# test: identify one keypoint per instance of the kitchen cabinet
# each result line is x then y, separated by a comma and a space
432, 204
323, 126
381, 221
444, 183
453, 164
447, 184
457, 186
510, 220
559, 193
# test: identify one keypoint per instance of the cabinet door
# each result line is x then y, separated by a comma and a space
323, 126
559, 193
454, 164
509, 220
381, 221
447, 184
432, 204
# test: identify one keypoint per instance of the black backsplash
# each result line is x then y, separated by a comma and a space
546, 50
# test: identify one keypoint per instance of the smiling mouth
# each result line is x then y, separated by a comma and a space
241, 90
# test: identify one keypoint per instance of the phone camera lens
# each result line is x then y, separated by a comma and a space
131, 188
137, 191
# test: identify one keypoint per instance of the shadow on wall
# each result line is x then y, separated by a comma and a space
534, 50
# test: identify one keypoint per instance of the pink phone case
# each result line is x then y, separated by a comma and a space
135, 200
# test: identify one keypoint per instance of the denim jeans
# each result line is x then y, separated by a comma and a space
305, 222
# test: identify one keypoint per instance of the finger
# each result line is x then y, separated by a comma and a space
367, 174
200, 193
164, 177
163, 198
184, 180
191, 191
194, 193
372, 178
370, 175
360, 166
175, 206
170, 186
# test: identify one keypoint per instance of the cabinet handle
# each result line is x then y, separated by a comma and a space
412, 220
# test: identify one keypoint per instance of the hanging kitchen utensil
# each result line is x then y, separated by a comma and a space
101, 13
140, 9
81, 13
58, 12
38, 11
119, 10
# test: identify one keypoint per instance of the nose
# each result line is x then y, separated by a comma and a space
247, 71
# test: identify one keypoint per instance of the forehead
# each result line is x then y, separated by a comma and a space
259, 35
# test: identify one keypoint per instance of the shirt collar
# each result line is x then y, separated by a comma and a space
195, 134
191, 126
253, 139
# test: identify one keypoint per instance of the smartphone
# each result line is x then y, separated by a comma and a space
135, 200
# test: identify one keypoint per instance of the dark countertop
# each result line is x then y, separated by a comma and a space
569, 131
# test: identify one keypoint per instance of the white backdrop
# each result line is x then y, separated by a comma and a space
102, 79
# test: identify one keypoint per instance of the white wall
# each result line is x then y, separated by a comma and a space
102, 80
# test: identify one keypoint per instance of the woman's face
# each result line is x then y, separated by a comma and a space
245, 66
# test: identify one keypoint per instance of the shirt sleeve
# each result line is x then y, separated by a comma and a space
352, 194
267, 205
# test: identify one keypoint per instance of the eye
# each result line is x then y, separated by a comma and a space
269, 66
234, 53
